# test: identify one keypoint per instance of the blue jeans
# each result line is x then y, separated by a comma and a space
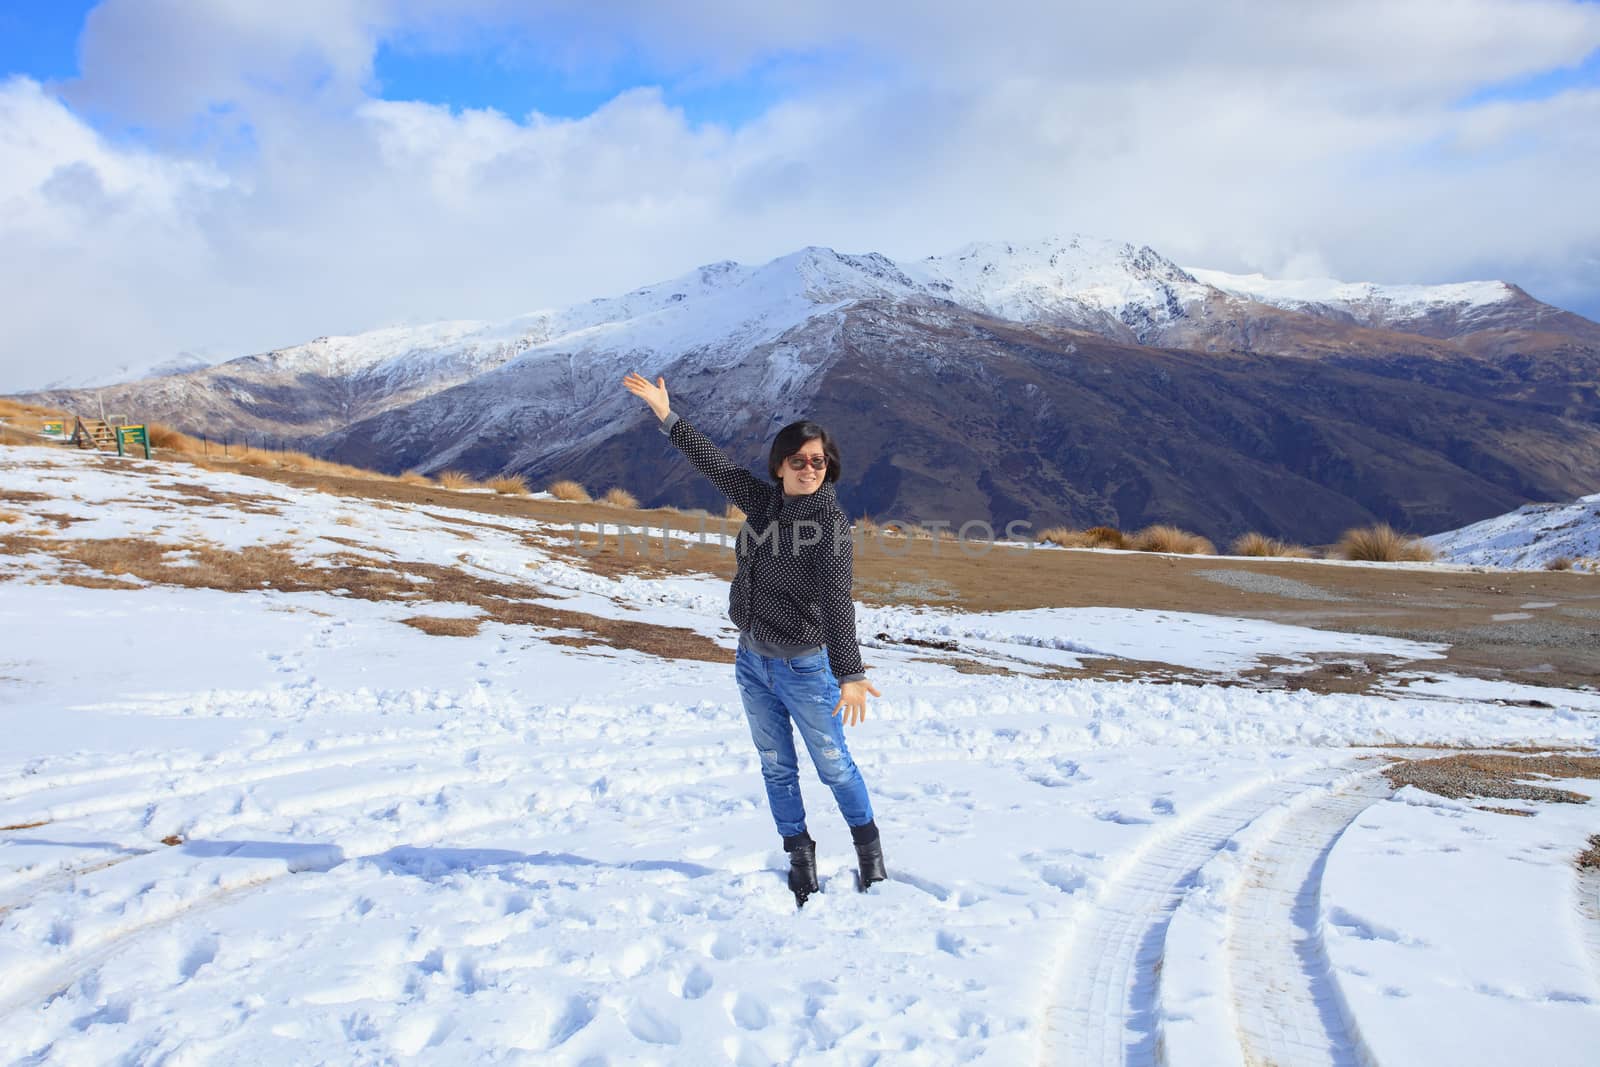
801, 689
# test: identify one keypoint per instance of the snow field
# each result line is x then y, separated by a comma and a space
1489, 958
400, 848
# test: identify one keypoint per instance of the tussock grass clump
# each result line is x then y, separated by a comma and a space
1382, 543
456, 480
413, 478
1559, 563
1256, 544
164, 438
1105, 537
619, 497
734, 513
1065, 536
509, 485
10, 516
569, 490
1162, 537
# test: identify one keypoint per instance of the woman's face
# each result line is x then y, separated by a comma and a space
808, 478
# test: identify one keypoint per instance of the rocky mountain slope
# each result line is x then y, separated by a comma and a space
1073, 380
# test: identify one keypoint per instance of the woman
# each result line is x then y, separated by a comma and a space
791, 601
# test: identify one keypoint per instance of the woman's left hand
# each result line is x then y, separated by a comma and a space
853, 701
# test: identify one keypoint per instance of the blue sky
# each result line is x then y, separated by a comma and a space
227, 178
486, 69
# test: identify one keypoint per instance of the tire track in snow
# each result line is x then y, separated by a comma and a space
1289, 1012
1104, 1008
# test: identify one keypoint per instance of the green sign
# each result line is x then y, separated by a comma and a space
132, 435
57, 427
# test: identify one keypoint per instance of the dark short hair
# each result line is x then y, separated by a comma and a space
792, 438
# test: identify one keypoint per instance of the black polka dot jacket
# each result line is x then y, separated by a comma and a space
796, 563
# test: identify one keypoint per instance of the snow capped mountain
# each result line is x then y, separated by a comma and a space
1109, 287
1122, 292
1400, 299
1529, 537
1433, 310
1029, 361
182, 363
396, 361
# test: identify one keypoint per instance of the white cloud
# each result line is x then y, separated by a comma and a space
271, 198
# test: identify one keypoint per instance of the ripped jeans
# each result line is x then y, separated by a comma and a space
802, 689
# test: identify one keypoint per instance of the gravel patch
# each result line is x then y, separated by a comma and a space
1271, 585
1482, 775
1529, 633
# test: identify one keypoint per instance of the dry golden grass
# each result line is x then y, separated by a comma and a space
456, 480
24, 421
1105, 537
1560, 563
12, 436
1162, 537
509, 485
619, 497
569, 490
1590, 857
1255, 544
437, 627
166, 439
734, 513
1065, 536
413, 478
1382, 543
10, 516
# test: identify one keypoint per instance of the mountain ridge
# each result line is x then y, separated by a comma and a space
752, 347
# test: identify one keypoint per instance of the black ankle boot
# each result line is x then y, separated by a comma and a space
802, 866
869, 853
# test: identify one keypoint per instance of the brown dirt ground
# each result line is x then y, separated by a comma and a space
1558, 646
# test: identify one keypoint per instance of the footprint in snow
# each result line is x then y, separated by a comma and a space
749, 1012
652, 1027
696, 984
725, 946
578, 1013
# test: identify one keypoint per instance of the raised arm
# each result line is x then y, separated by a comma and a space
735, 482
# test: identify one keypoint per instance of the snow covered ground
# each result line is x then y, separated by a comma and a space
285, 827
1529, 537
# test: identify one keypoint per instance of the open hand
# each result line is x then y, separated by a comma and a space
654, 395
853, 701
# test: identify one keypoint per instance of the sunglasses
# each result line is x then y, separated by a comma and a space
798, 463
